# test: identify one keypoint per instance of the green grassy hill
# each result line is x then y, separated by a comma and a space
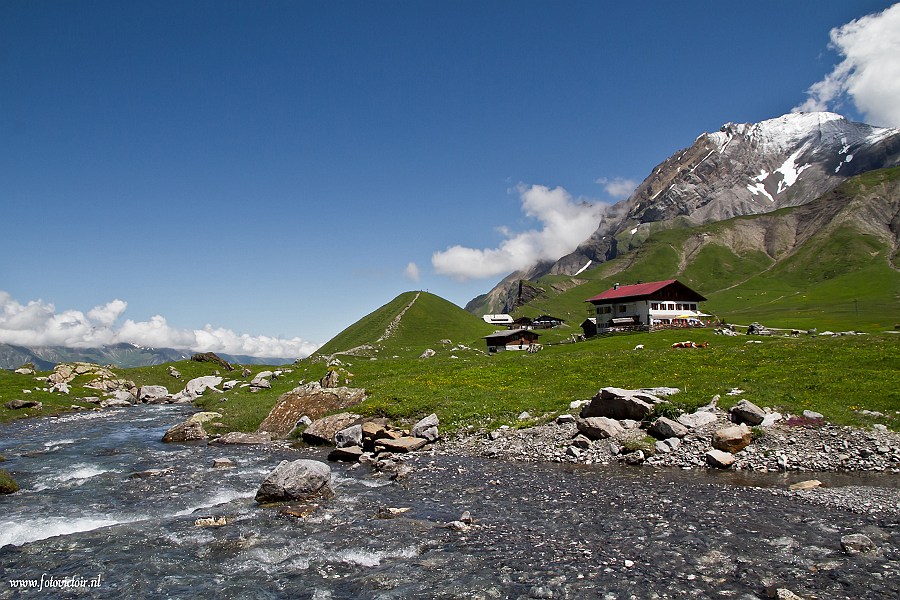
408, 324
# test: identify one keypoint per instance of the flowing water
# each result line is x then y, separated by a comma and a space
85, 519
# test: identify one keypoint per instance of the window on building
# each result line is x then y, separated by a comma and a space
622, 308
654, 306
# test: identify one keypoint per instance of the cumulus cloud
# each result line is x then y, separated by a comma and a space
564, 221
38, 323
618, 187
870, 71
412, 272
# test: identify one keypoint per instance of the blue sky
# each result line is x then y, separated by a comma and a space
257, 176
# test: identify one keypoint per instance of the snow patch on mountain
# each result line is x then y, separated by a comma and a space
790, 171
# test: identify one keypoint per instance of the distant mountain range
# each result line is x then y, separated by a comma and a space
742, 169
120, 355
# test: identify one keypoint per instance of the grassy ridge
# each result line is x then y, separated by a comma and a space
426, 321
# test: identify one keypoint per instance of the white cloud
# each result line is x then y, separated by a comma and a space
870, 71
618, 187
109, 313
412, 272
565, 224
39, 324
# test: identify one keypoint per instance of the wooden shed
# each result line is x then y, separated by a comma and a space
513, 339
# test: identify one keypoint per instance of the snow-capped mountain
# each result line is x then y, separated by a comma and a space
742, 169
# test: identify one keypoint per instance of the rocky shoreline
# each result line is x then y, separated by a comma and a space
792, 446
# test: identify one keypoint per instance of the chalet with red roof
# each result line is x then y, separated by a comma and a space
646, 306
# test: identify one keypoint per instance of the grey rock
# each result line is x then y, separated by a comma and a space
222, 463
124, 396
697, 419
420, 428
241, 438
719, 459
18, 404
321, 431
296, 480
857, 543
747, 412
260, 383
331, 379
771, 419
810, 414
151, 393
581, 441
430, 435
403, 444
634, 458
598, 428
350, 436
662, 392
346, 454
674, 443
565, 419
786, 594
663, 428
189, 431
195, 387
618, 403
114, 403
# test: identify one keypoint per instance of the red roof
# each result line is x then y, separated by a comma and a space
641, 290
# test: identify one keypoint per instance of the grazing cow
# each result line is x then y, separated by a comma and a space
639, 347
690, 344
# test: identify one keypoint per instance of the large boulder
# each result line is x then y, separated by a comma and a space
309, 400
618, 403
213, 358
664, 428
296, 480
189, 431
598, 428
747, 412
153, 394
732, 439
195, 387
322, 431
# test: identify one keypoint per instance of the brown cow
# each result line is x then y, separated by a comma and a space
690, 344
